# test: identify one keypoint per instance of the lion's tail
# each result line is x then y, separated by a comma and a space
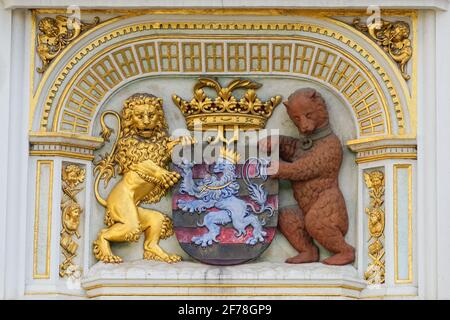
166, 228
97, 193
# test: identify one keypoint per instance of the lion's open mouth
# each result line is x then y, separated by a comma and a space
146, 133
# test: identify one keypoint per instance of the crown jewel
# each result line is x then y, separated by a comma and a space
248, 112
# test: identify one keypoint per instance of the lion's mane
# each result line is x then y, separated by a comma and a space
210, 183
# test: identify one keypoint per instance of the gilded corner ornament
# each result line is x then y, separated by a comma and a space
72, 176
375, 273
392, 37
56, 34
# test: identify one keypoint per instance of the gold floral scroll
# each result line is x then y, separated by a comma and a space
57, 33
392, 37
375, 273
72, 176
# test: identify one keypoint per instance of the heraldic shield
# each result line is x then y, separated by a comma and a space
225, 212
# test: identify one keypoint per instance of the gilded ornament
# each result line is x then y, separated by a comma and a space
376, 270
140, 154
225, 196
56, 33
385, 124
72, 176
393, 37
226, 110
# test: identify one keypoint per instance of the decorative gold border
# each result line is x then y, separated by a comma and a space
410, 247
387, 156
386, 146
46, 275
411, 105
379, 138
72, 155
65, 135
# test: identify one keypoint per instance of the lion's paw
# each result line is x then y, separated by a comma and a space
190, 206
102, 253
205, 240
111, 259
257, 237
172, 258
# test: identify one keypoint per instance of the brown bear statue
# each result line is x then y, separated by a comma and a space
312, 165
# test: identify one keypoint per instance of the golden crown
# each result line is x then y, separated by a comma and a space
230, 155
226, 110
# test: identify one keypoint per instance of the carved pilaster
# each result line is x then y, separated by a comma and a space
375, 273
72, 176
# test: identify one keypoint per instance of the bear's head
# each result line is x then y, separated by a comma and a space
307, 109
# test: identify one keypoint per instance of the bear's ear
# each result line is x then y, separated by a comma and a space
313, 93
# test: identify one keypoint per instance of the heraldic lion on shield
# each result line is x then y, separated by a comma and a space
221, 192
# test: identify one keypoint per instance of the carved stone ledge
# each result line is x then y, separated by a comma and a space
261, 280
64, 145
383, 149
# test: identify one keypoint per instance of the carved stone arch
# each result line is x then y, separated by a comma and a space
380, 108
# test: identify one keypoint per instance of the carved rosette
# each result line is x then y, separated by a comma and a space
375, 272
72, 176
392, 37
57, 33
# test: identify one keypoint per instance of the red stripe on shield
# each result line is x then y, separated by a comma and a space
272, 200
227, 235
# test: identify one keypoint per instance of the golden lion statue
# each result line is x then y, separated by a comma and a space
141, 152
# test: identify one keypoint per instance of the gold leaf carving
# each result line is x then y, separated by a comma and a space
56, 34
225, 109
72, 176
393, 37
375, 272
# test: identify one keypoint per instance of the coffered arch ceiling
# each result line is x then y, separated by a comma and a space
323, 50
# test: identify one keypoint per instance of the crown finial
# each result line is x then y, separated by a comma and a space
229, 155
